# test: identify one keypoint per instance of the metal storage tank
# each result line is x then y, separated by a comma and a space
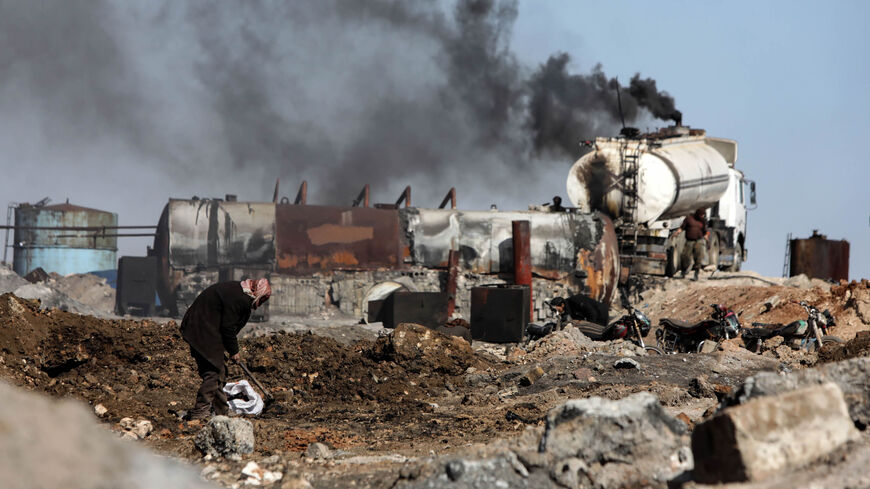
820, 257
52, 237
675, 175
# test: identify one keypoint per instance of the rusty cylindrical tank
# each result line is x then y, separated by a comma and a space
819, 257
64, 250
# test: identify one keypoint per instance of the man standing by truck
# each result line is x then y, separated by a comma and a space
211, 326
695, 226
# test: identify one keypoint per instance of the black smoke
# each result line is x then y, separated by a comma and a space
228, 96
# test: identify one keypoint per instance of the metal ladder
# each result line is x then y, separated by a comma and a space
630, 155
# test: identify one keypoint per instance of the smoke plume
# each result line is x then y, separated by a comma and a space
228, 96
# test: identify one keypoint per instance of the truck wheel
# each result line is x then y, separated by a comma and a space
713, 251
738, 258
672, 265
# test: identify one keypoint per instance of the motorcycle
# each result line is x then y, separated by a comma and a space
675, 336
632, 326
804, 334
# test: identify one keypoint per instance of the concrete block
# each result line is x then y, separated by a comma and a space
770, 434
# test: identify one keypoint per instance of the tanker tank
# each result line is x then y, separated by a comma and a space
676, 173
320, 255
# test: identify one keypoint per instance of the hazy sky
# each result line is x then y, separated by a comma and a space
789, 80
164, 108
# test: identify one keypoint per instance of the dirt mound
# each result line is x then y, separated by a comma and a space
348, 396
419, 349
859, 346
314, 368
86, 288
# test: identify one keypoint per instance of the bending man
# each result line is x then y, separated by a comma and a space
211, 326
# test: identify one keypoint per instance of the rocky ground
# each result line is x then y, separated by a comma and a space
357, 405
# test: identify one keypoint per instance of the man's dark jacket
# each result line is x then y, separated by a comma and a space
695, 228
584, 308
215, 318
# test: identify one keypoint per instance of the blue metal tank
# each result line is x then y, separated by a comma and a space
39, 242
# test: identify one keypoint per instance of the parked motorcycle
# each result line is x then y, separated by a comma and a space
804, 334
632, 326
675, 336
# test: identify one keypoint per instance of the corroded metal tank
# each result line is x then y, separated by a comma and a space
820, 257
52, 237
675, 175
578, 249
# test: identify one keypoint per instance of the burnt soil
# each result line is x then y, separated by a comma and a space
364, 398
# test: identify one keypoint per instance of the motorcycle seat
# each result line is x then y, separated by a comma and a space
769, 331
678, 324
760, 333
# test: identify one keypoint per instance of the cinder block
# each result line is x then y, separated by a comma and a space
770, 434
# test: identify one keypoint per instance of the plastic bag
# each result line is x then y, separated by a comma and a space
252, 406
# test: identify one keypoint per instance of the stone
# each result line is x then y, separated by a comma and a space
852, 376
226, 437
531, 376
296, 483
571, 472
770, 434
142, 428
49, 442
318, 451
626, 363
100, 410
257, 475
455, 469
625, 442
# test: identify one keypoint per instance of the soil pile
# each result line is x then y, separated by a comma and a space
348, 396
859, 346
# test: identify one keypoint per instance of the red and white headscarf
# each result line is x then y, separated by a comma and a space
259, 290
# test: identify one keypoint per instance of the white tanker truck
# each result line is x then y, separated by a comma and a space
648, 183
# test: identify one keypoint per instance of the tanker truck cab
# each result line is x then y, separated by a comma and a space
727, 222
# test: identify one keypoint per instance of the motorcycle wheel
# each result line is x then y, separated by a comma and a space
652, 349
826, 340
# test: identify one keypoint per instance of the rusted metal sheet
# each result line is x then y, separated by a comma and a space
597, 271
214, 233
819, 257
523, 257
321, 238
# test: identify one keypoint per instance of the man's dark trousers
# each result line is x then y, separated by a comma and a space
211, 392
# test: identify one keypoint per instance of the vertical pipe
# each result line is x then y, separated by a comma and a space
452, 274
367, 191
302, 194
522, 237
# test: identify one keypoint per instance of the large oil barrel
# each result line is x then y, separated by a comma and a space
675, 176
51, 237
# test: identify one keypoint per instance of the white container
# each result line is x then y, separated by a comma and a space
675, 176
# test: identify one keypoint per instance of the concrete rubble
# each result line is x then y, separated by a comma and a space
226, 437
770, 434
135, 430
851, 376
50, 443
587, 443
